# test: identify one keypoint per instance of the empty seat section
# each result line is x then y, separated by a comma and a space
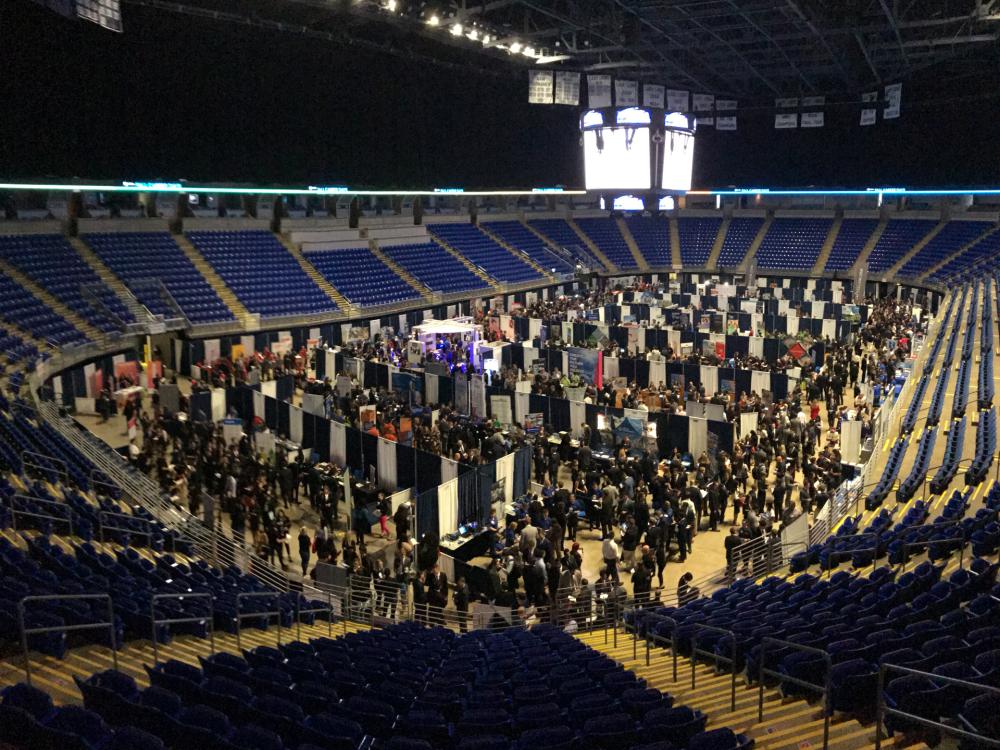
604, 233
954, 236
562, 234
434, 267
23, 309
361, 277
697, 236
484, 252
51, 262
739, 237
518, 236
851, 240
652, 235
966, 264
899, 237
141, 258
793, 243
262, 273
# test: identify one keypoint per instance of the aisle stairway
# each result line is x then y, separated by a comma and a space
110, 278
789, 723
319, 279
757, 242
214, 280
720, 240
466, 262
824, 253
592, 246
55, 305
398, 270
675, 244
516, 253
862, 261
640, 259
891, 272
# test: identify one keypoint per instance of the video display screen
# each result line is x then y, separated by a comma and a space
678, 160
617, 158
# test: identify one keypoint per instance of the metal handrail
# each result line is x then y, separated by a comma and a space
878, 536
25, 632
241, 616
64, 472
824, 688
328, 609
732, 660
15, 512
882, 710
181, 620
102, 526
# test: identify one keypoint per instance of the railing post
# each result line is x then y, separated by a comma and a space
760, 680
24, 641
879, 706
694, 655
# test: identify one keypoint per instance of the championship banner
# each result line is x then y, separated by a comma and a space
587, 363
727, 122
725, 105
868, 117
652, 95
626, 93
567, 88
893, 99
704, 102
812, 119
786, 121
540, 86
678, 101
599, 91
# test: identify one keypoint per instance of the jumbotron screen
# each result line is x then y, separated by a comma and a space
678, 160
616, 156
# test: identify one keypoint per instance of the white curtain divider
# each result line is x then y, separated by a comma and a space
338, 443
295, 424
375, 326
534, 328
748, 423
330, 359
577, 416
447, 508
697, 436
710, 379
530, 355
658, 373
792, 325
817, 309
565, 363
674, 340
449, 470
610, 368
387, 465
88, 378
850, 441
757, 346
830, 329
782, 307
258, 404
218, 404
269, 388
505, 471
430, 388
212, 350
760, 381
522, 407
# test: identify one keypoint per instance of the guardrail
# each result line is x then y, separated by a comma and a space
824, 688
183, 620
241, 615
104, 526
732, 660
882, 710
26, 632
66, 518
30, 460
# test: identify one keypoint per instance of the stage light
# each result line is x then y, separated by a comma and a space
515, 47
473, 34
433, 20
486, 39
391, 6
456, 29
529, 52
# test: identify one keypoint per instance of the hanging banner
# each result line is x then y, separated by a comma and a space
626, 93
791, 103
812, 119
725, 122
869, 97
567, 88
725, 105
599, 91
785, 121
893, 99
813, 101
540, 87
500, 409
705, 121
678, 100
477, 397
652, 95
587, 363
704, 102
868, 116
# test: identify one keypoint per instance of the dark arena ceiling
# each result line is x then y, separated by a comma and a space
740, 48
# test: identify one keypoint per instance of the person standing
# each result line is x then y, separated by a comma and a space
305, 545
461, 598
